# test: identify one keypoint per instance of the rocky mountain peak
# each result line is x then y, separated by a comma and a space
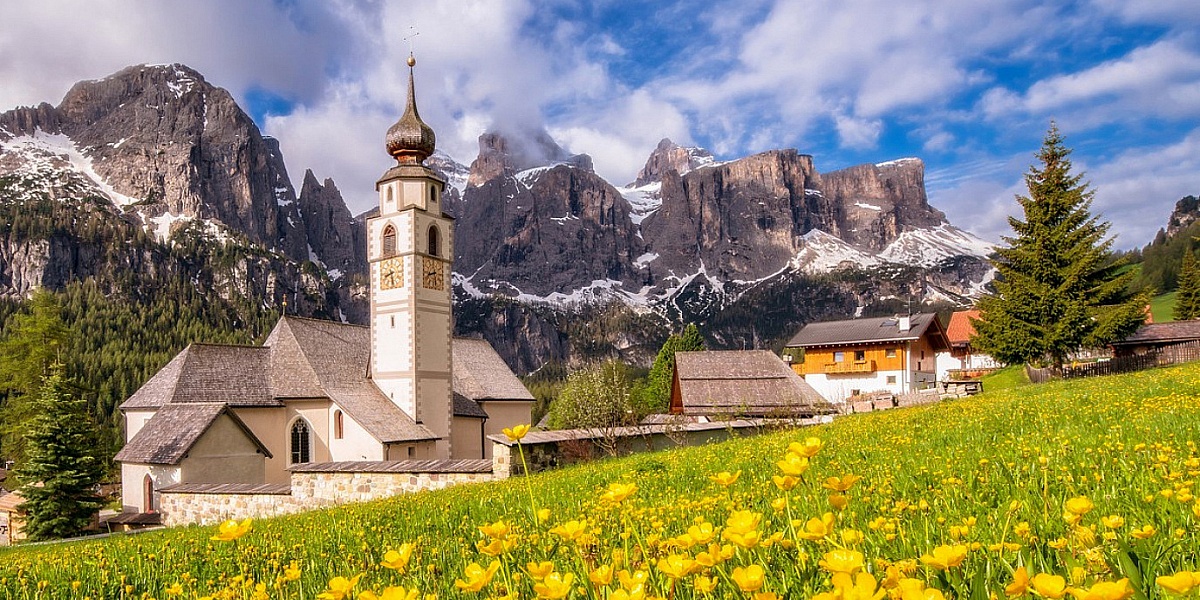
334, 239
1187, 211
505, 153
669, 156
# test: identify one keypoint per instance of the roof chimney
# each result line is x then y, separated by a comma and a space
904, 323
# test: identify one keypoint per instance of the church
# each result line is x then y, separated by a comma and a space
400, 389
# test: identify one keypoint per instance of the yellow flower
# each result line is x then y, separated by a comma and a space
571, 530
602, 575
857, 587
477, 576
554, 586
785, 482
1049, 586
714, 556
398, 593
397, 560
677, 566
497, 531
817, 529
629, 581
291, 572
496, 547
539, 571
793, 464
808, 448
1145, 532
923, 594
1020, 583
1179, 583
231, 530
516, 432
840, 484
704, 585
618, 492
1113, 521
637, 593
1104, 590
766, 596
543, 515
1080, 505
842, 561
174, 590
701, 533
725, 478
741, 528
945, 557
851, 537
839, 501
749, 579
339, 588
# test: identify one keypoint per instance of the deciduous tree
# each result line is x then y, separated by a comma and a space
1057, 289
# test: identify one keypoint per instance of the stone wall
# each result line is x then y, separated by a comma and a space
308, 491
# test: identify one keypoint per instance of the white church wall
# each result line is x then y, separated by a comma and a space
135, 420
317, 413
270, 427
355, 443
223, 454
133, 481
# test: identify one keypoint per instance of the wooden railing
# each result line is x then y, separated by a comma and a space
864, 366
1159, 357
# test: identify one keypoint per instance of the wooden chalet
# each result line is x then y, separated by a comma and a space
1158, 336
741, 383
842, 359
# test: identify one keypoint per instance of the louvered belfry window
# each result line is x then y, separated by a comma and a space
301, 442
434, 240
389, 241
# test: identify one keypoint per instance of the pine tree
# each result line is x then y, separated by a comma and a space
1057, 287
1187, 296
61, 470
32, 342
656, 396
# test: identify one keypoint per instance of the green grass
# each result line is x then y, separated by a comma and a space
1163, 307
1006, 378
978, 472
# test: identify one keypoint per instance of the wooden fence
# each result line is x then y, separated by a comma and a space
1159, 357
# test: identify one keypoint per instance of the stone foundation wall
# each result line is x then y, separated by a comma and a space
309, 491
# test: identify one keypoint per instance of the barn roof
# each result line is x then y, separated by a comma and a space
870, 331
742, 383
1163, 333
168, 436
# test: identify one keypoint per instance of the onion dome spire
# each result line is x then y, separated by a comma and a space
410, 140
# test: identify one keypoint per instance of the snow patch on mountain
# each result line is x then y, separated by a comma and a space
42, 151
824, 252
643, 200
928, 247
897, 162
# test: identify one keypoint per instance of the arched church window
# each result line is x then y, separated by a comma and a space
337, 424
301, 442
148, 492
389, 240
434, 240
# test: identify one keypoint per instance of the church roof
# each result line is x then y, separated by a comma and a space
466, 407
202, 373
168, 436
480, 373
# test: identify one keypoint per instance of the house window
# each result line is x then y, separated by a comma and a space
433, 240
411, 452
839, 356
337, 424
301, 442
860, 355
891, 353
922, 354
855, 392
389, 240
891, 380
433, 195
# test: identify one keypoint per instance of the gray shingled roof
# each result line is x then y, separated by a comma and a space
1163, 333
233, 375
466, 407
483, 465
743, 383
866, 331
480, 373
168, 436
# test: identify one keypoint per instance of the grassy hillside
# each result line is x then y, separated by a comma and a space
1163, 307
953, 496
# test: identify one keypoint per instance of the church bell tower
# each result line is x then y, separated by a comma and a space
410, 249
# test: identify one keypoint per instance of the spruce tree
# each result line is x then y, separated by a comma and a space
1187, 295
33, 340
61, 469
1057, 287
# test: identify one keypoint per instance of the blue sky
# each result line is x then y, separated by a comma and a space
970, 87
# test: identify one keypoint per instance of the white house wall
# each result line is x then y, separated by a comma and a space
356, 444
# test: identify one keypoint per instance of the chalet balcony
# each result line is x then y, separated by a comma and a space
862, 366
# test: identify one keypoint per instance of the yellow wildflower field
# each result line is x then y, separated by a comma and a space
1082, 489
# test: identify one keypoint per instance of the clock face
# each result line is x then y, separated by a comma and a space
391, 274
433, 275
